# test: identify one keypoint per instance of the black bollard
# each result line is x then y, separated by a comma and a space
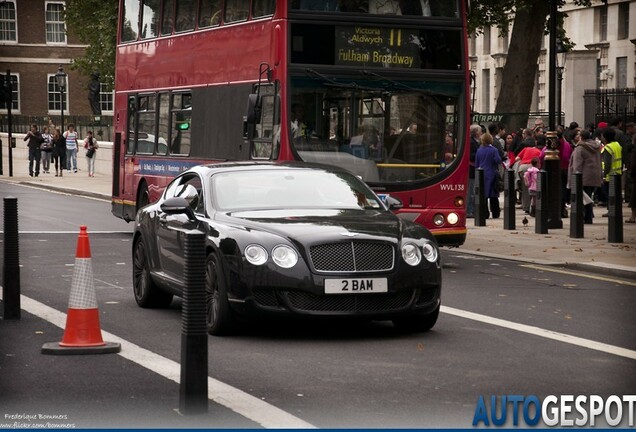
541, 215
193, 394
11, 267
576, 209
510, 200
481, 202
552, 165
615, 210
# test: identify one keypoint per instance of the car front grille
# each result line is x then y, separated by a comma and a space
352, 257
385, 302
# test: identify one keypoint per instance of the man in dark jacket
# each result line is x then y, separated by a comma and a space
35, 140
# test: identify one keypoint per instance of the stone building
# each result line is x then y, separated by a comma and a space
597, 76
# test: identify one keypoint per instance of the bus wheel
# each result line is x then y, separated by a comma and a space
220, 318
143, 197
417, 323
147, 294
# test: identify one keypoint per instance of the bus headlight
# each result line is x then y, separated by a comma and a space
452, 218
438, 219
411, 254
284, 256
256, 254
430, 252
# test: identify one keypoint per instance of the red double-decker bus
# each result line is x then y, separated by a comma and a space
380, 87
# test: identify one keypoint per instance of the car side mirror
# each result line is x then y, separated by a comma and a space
178, 205
393, 203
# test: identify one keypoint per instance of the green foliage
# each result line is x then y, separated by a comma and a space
95, 24
501, 13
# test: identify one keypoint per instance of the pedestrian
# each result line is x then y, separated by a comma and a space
47, 149
475, 137
34, 138
488, 159
90, 144
586, 159
523, 162
71, 138
530, 179
59, 152
612, 162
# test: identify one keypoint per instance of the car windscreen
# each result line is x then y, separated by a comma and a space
290, 188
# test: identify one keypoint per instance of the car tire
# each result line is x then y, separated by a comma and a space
147, 293
418, 323
220, 318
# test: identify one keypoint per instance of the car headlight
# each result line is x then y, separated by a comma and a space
411, 254
256, 254
430, 252
284, 256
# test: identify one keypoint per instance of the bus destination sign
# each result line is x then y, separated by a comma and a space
377, 46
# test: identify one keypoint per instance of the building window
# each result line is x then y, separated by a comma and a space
55, 32
106, 97
485, 78
621, 72
54, 96
15, 94
602, 23
8, 24
623, 20
486, 46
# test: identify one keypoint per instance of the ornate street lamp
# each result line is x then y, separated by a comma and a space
60, 77
561, 58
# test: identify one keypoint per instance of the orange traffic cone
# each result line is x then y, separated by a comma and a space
82, 334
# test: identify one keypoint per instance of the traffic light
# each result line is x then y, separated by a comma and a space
5, 93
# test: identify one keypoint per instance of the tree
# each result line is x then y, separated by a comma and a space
529, 25
95, 24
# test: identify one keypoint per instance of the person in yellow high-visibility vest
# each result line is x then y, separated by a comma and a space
612, 162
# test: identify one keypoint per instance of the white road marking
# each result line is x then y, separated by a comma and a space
75, 232
237, 400
548, 334
579, 274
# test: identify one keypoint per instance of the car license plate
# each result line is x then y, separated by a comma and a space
355, 286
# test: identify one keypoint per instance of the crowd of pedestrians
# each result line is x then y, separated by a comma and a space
596, 151
60, 147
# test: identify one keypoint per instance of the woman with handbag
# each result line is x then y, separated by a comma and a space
59, 152
90, 144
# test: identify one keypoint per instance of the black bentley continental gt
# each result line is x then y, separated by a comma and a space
287, 238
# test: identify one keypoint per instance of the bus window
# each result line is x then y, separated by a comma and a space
236, 10
146, 124
436, 8
263, 8
266, 140
150, 19
163, 127
186, 11
130, 136
130, 23
209, 13
181, 119
167, 17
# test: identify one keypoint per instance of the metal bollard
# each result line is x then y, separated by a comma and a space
541, 215
481, 203
11, 267
510, 200
552, 199
576, 208
193, 394
615, 210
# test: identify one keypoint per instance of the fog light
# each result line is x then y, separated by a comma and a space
438, 219
452, 218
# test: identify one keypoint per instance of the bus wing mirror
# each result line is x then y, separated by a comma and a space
253, 109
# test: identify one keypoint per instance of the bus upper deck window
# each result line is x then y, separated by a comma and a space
209, 13
185, 13
236, 10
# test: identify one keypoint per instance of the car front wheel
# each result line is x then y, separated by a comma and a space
147, 293
417, 323
220, 317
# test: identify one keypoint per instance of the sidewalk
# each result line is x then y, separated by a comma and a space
591, 253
